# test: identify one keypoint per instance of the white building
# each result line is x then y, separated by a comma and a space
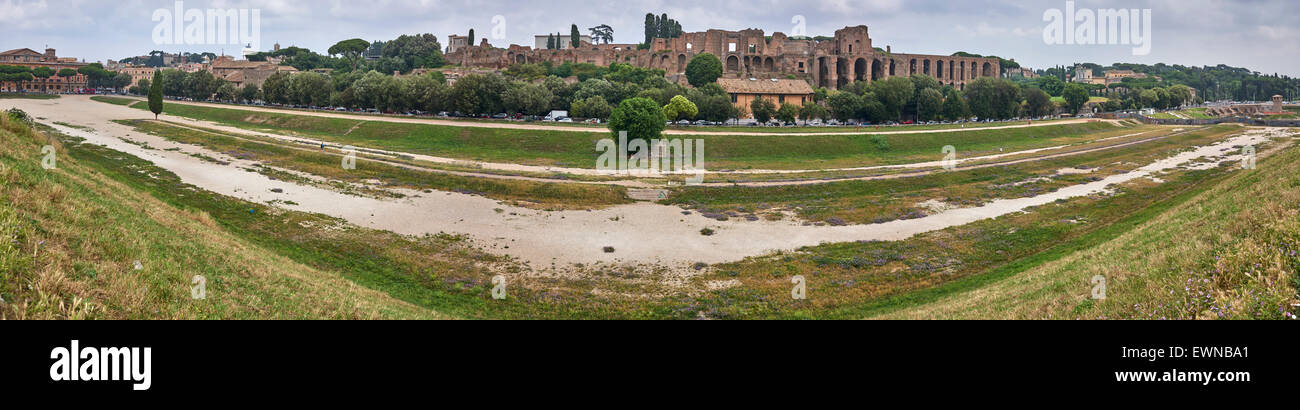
564, 41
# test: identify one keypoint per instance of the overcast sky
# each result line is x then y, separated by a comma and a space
1262, 35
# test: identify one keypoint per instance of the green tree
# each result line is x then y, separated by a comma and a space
762, 109
894, 93
550, 41
352, 49
529, 99
471, 37
575, 36
227, 92
276, 88
712, 106
680, 108
651, 28
992, 98
155, 98
812, 110
954, 106
594, 107
845, 106
1051, 85
309, 88
250, 93
602, 33
122, 80
641, 118
1148, 99
1075, 97
1038, 103
929, 103
703, 69
787, 113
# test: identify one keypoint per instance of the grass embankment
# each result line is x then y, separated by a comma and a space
328, 164
854, 280
578, 149
854, 129
70, 236
1230, 252
877, 201
27, 96
442, 273
114, 100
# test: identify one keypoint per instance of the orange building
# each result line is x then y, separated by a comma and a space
778, 91
26, 57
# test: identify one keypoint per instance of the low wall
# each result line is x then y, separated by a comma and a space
1239, 120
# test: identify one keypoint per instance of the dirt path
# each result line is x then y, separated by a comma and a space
642, 233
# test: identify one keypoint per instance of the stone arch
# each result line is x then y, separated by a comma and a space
912, 69
823, 73
988, 70
769, 64
925, 65
861, 71
841, 72
663, 62
756, 64
892, 63
681, 62
877, 70
520, 59
938, 70
733, 63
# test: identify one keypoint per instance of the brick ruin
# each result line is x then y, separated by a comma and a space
832, 63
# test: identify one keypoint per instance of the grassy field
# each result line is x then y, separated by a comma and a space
1230, 252
853, 129
877, 201
577, 149
1190, 113
114, 100
327, 164
71, 237
723, 128
27, 96
866, 279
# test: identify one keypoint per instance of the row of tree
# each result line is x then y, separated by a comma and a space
660, 27
96, 75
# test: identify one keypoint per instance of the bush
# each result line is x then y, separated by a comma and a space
642, 118
19, 115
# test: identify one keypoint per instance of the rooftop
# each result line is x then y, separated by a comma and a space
766, 86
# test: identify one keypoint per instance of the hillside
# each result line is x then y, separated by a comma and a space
72, 236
